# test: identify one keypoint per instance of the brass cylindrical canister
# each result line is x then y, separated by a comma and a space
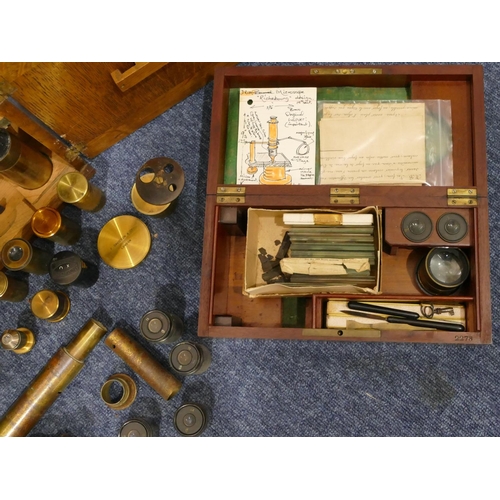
142, 363
21, 340
20, 255
12, 289
124, 397
57, 374
190, 358
146, 208
50, 305
74, 188
21, 164
48, 223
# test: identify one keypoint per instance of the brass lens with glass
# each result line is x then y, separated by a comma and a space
19, 255
443, 271
20, 340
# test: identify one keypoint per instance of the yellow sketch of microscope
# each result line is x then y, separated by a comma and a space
274, 164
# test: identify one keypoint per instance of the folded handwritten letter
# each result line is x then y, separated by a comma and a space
372, 143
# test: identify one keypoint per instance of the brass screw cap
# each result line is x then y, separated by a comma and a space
45, 222
136, 428
50, 306
19, 341
124, 242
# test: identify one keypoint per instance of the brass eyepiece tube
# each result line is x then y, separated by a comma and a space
57, 374
139, 360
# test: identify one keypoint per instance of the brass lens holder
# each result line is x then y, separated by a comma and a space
128, 391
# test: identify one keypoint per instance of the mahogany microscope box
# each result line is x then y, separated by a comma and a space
416, 212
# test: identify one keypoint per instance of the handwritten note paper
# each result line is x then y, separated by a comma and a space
277, 136
372, 143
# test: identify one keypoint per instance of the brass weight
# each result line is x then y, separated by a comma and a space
142, 363
20, 340
57, 374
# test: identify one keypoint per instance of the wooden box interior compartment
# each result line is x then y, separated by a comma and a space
224, 309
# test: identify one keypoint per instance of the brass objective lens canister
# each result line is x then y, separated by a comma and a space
21, 164
52, 306
20, 341
142, 363
48, 223
74, 188
20, 255
12, 289
57, 374
127, 391
142, 206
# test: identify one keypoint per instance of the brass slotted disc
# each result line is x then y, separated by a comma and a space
124, 242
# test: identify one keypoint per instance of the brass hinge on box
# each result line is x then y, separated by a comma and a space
461, 197
344, 196
346, 71
231, 194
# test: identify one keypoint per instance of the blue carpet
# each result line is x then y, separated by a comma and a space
253, 387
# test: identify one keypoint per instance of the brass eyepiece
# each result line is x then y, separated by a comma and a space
19, 255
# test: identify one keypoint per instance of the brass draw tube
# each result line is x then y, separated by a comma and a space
137, 358
57, 374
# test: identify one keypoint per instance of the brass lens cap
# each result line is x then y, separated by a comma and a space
45, 222
190, 420
72, 187
124, 242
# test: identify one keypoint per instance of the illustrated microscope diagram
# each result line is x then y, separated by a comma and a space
263, 156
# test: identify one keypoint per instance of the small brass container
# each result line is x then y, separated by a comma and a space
20, 255
190, 358
48, 223
74, 188
20, 341
12, 289
124, 242
127, 391
52, 306
21, 164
